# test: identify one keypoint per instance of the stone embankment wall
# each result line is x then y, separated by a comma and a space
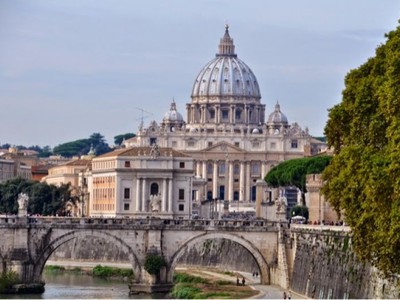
325, 267
90, 249
221, 253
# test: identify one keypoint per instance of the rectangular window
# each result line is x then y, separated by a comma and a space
237, 144
273, 146
190, 144
181, 207
182, 165
126, 206
174, 144
256, 145
153, 141
225, 114
209, 144
181, 194
127, 193
294, 144
127, 164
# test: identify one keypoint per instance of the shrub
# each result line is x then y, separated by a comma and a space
184, 292
105, 271
7, 280
186, 278
154, 263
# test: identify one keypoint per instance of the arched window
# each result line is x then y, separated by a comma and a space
154, 189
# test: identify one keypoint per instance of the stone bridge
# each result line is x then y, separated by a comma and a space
27, 243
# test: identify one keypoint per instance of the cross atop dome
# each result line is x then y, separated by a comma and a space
226, 46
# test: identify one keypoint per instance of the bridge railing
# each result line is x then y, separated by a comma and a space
209, 224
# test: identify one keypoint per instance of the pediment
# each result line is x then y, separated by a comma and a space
223, 147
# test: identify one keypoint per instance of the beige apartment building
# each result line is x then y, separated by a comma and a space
142, 182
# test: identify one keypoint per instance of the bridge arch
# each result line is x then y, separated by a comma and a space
64, 238
253, 250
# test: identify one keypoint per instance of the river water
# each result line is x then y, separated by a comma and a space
81, 286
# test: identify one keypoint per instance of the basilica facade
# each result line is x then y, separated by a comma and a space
232, 139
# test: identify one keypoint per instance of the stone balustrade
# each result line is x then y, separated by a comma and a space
155, 223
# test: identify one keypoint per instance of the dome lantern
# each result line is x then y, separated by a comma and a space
226, 46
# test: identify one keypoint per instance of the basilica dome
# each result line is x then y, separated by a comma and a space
226, 75
172, 115
277, 117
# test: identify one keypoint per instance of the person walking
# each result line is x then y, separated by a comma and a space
243, 281
237, 280
289, 295
284, 295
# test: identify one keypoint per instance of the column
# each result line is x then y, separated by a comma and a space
248, 182
188, 113
192, 113
241, 181
258, 115
233, 114
217, 116
203, 114
215, 179
138, 195
205, 175
164, 196
198, 168
246, 114
230, 181
170, 194
204, 172
144, 195
263, 169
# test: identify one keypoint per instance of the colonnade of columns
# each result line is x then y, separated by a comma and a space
245, 178
200, 113
143, 195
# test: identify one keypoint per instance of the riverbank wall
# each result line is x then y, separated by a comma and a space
324, 266
219, 253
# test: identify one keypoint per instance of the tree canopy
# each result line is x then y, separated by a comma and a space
82, 146
293, 172
363, 179
118, 139
44, 199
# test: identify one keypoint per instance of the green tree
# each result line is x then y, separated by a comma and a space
9, 191
82, 146
118, 139
293, 172
44, 199
154, 263
99, 144
299, 210
363, 179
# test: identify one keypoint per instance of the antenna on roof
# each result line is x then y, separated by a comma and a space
148, 114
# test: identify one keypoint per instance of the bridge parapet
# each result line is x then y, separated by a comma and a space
319, 228
150, 223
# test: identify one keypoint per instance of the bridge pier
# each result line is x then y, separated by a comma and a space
28, 284
151, 283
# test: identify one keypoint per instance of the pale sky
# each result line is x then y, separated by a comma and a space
69, 68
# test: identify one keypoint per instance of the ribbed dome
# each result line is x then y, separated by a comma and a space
172, 115
277, 117
226, 75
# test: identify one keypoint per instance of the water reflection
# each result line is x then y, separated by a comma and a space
81, 286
